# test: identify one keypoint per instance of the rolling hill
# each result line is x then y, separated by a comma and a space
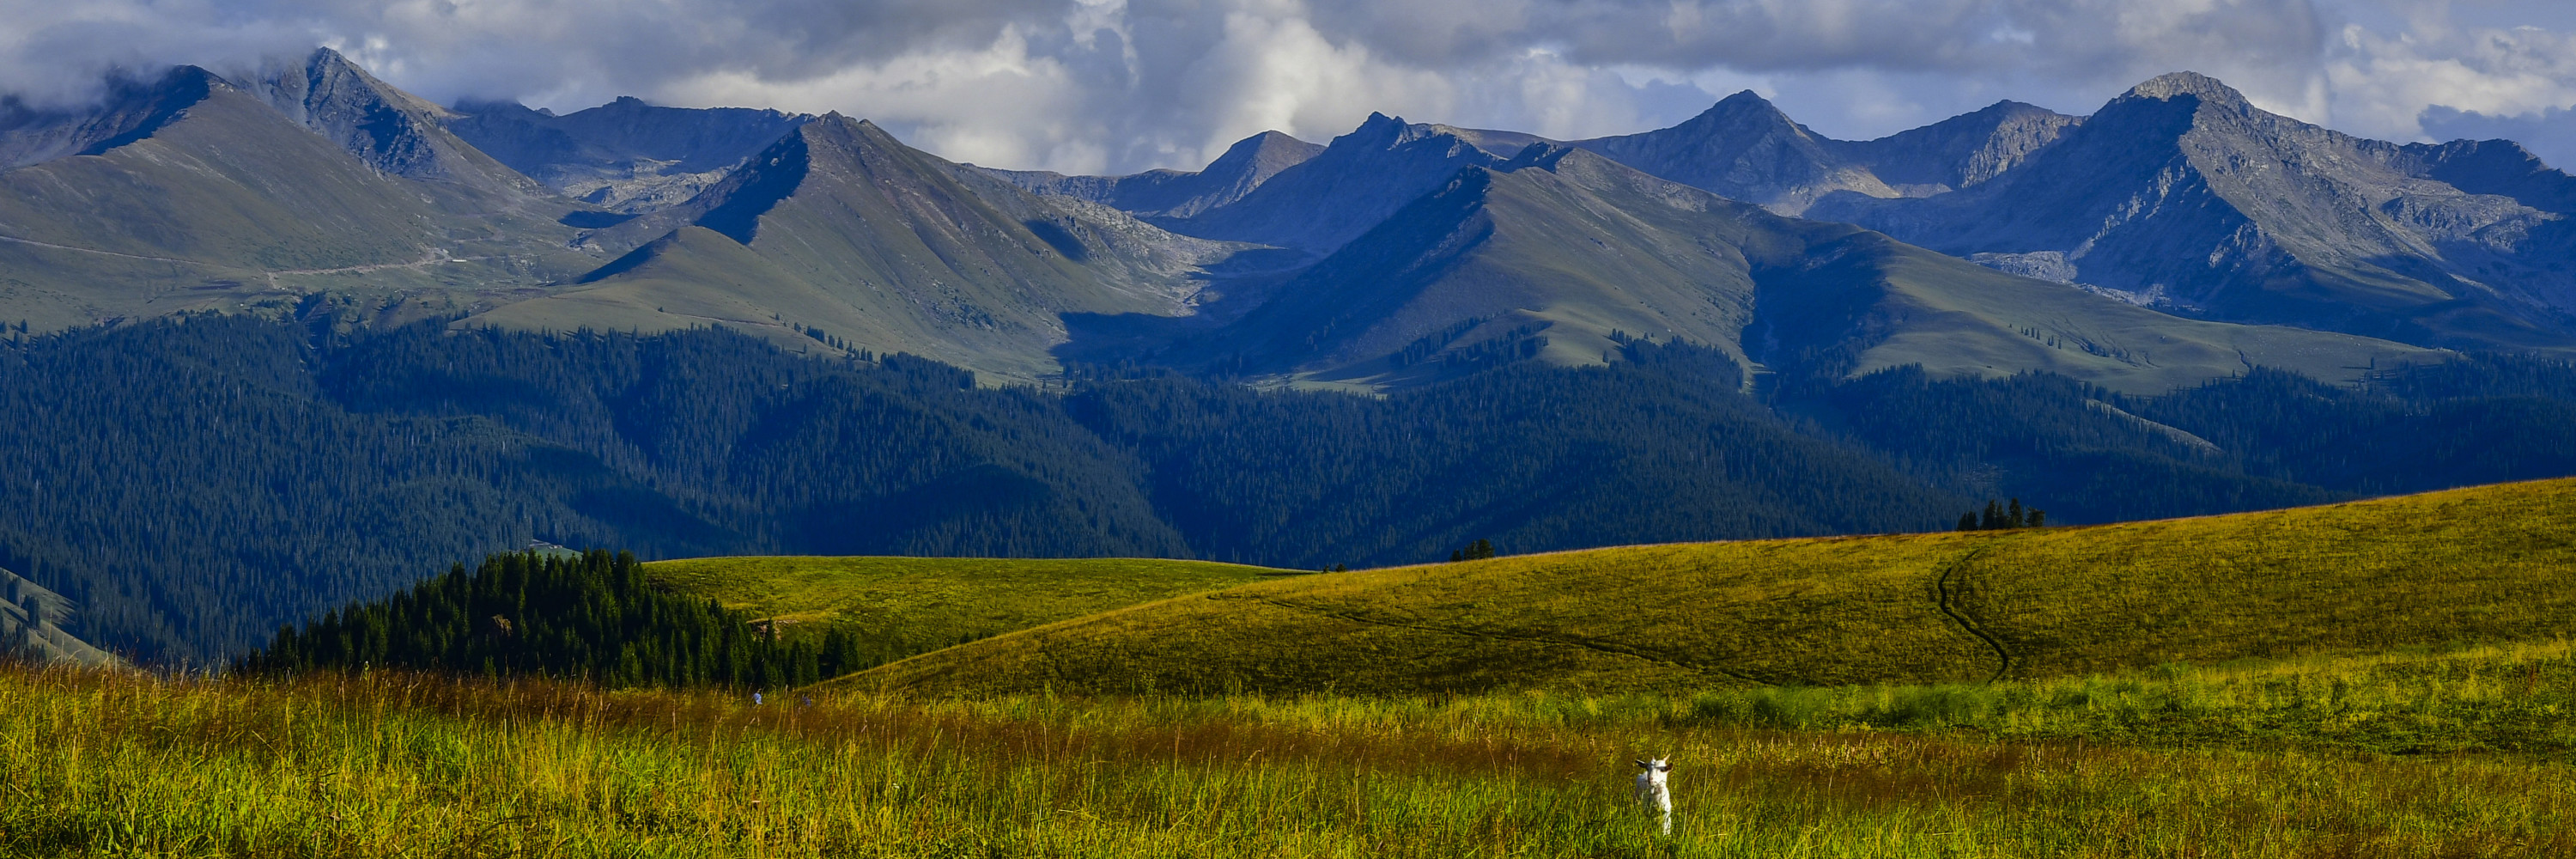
902, 606
2479, 565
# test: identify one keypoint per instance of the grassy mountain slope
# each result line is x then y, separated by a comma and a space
1561, 250
1894, 304
1572, 251
1338, 194
2475, 565
696, 276
226, 198
841, 228
391, 131
903, 606
1745, 149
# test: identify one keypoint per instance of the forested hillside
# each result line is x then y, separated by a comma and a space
193, 483
591, 616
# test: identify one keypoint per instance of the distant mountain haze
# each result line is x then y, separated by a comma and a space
1172, 193
626, 155
1337, 194
2180, 194
1746, 149
1573, 252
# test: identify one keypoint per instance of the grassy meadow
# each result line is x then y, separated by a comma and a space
2291, 759
2485, 565
2390, 678
903, 606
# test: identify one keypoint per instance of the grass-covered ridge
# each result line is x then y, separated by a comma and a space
2481, 565
896, 607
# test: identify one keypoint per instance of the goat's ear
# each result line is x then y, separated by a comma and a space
1668, 767
1641, 762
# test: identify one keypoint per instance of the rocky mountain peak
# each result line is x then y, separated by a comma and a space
1173, 194
1261, 156
1340, 192
131, 110
1741, 109
2167, 87
1380, 124
393, 131
1744, 148
842, 131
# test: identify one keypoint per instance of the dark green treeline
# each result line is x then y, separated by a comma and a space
591, 616
193, 482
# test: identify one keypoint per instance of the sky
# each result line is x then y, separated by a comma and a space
1117, 86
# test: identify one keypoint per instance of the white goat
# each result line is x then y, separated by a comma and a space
1654, 792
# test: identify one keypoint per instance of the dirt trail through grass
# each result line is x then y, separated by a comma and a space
1941, 586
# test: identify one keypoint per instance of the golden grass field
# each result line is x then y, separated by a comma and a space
2471, 566
2178, 762
2390, 678
903, 606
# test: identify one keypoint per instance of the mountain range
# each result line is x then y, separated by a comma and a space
2177, 235
335, 332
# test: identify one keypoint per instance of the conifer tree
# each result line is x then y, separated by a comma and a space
594, 616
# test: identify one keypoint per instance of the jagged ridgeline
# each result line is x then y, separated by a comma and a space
591, 616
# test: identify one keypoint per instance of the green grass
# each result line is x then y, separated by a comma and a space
1957, 318
203, 214
2483, 565
903, 606
2517, 700
2378, 679
381, 765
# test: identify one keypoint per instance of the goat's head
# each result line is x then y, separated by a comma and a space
1656, 769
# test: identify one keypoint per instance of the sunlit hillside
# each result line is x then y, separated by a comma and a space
2479, 565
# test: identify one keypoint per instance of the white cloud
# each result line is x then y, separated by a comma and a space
2383, 82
